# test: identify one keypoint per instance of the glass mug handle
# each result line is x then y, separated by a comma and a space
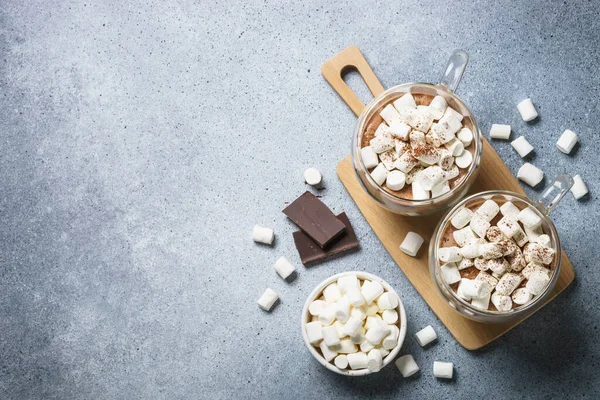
552, 195
454, 70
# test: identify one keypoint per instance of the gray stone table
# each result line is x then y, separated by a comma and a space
142, 140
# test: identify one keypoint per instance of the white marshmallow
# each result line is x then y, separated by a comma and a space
359, 336
426, 154
508, 283
342, 309
327, 316
388, 159
516, 261
417, 138
352, 326
371, 309
358, 313
494, 234
381, 130
533, 234
451, 112
471, 289
508, 209
330, 335
479, 225
260, 234
369, 157
418, 192
465, 135
411, 244
481, 263
420, 120
522, 146
442, 132
374, 360
488, 210
508, 226
465, 263
378, 330
384, 352
471, 249
527, 110
502, 303
520, 238
443, 369
283, 267
332, 293
391, 340
396, 180
498, 266
339, 327
530, 174
389, 114
268, 298
313, 331
382, 143
491, 250
579, 188
371, 321
371, 290
341, 361
446, 160
464, 160
401, 148
390, 316
347, 282
358, 360
537, 282
328, 352
412, 175
450, 273
346, 347
544, 240
387, 301
499, 131
426, 336
438, 106
430, 177
355, 296
529, 218
535, 267
567, 141
379, 174
440, 189
407, 366
538, 253
457, 148
461, 218
521, 296
316, 307
488, 279
406, 101
366, 346
449, 254
452, 173
406, 162
463, 236
482, 303
313, 177
399, 130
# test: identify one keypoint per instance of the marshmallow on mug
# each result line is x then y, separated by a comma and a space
508, 209
567, 141
482, 303
283, 267
471, 289
399, 130
479, 225
527, 110
579, 188
369, 157
537, 282
313, 177
430, 177
465, 263
544, 240
406, 162
449, 254
529, 218
521, 296
450, 273
418, 192
260, 234
382, 143
522, 146
379, 174
462, 218
268, 298
508, 226
465, 135
406, 101
443, 369
502, 303
488, 210
411, 244
530, 174
426, 336
451, 112
407, 366
464, 160
395, 180
389, 114
437, 107
456, 147
499, 131
508, 283
440, 189
463, 236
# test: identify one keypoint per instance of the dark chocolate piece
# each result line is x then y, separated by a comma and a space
315, 219
310, 251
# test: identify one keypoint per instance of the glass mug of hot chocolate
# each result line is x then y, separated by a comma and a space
416, 147
496, 256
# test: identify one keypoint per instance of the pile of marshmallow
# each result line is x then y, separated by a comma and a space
355, 323
409, 148
514, 251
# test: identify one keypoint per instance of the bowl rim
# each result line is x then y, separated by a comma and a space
317, 291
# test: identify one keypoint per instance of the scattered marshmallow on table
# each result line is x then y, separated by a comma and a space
522, 146
369, 157
313, 177
443, 369
264, 235
499, 131
527, 110
283, 267
407, 366
268, 298
530, 174
411, 244
426, 336
567, 141
579, 188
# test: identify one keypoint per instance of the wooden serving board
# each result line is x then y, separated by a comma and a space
392, 228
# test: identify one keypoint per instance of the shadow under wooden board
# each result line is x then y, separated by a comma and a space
391, 229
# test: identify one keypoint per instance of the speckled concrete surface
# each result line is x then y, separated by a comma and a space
142, 140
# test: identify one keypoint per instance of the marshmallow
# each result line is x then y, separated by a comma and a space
537, 282
342, 309
481, 264
260, 234
465, 263
432, 137
567, 141
395, 180
313, 177
508, 209
521, 296
442, 132
328, 353
358, 360
490, 250
283, 267
533, 234
488, 279
371, 321
499, 131
516, 261
389, 114
426, 154
440, 189
407, 366
371, 290
482, 303
479, 225
384, 352
398, 130
388, 159
579, 188
366, 346
522, 146
379, 174
378, 330
530, 174
316, 307
437, 107
430, 177
341, 361
465, 135
359, 336
371, 309
391, 340
450, 273
538, 253
508, 226
332, 293
544, 240
387, 301
390, 316
327, 316
533, 267
443, 369
406, 101
381, 130
425, 336
330, 335
527, 110
313, 331
358, 313
411, 244
451, 112
461, 218
369, 157
488, 210
464, 160
401, 147
420, 120
529, 218
471, 289
412, 175
508, 247
346, 347
418, 192
463, 236
355, 296
456, 147
508, 283
406, 162
502, 303
498, 266
268, 298
382, 143
446, 160
347, 282
494, 234
520, 238
374, 360
471, 249
449, 254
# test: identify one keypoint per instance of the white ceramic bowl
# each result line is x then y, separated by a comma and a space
306, 317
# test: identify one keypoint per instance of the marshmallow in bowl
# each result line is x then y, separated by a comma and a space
457, 148
407, 365
450, 273
387, 301
465, 135
396, 180
341, 361
529, 218
462, 218
502, 303
508, 209
438, 106
464, 160
389, 114
406, 101
527, 110
379, 174
374, 360
449, 254
358, 360
369, 157
426, 336
411, 244
313, 331
332, 293
488, 210
567, 141
391, 339
479, 225
316, 307
371, 290
418, 192
530, 174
